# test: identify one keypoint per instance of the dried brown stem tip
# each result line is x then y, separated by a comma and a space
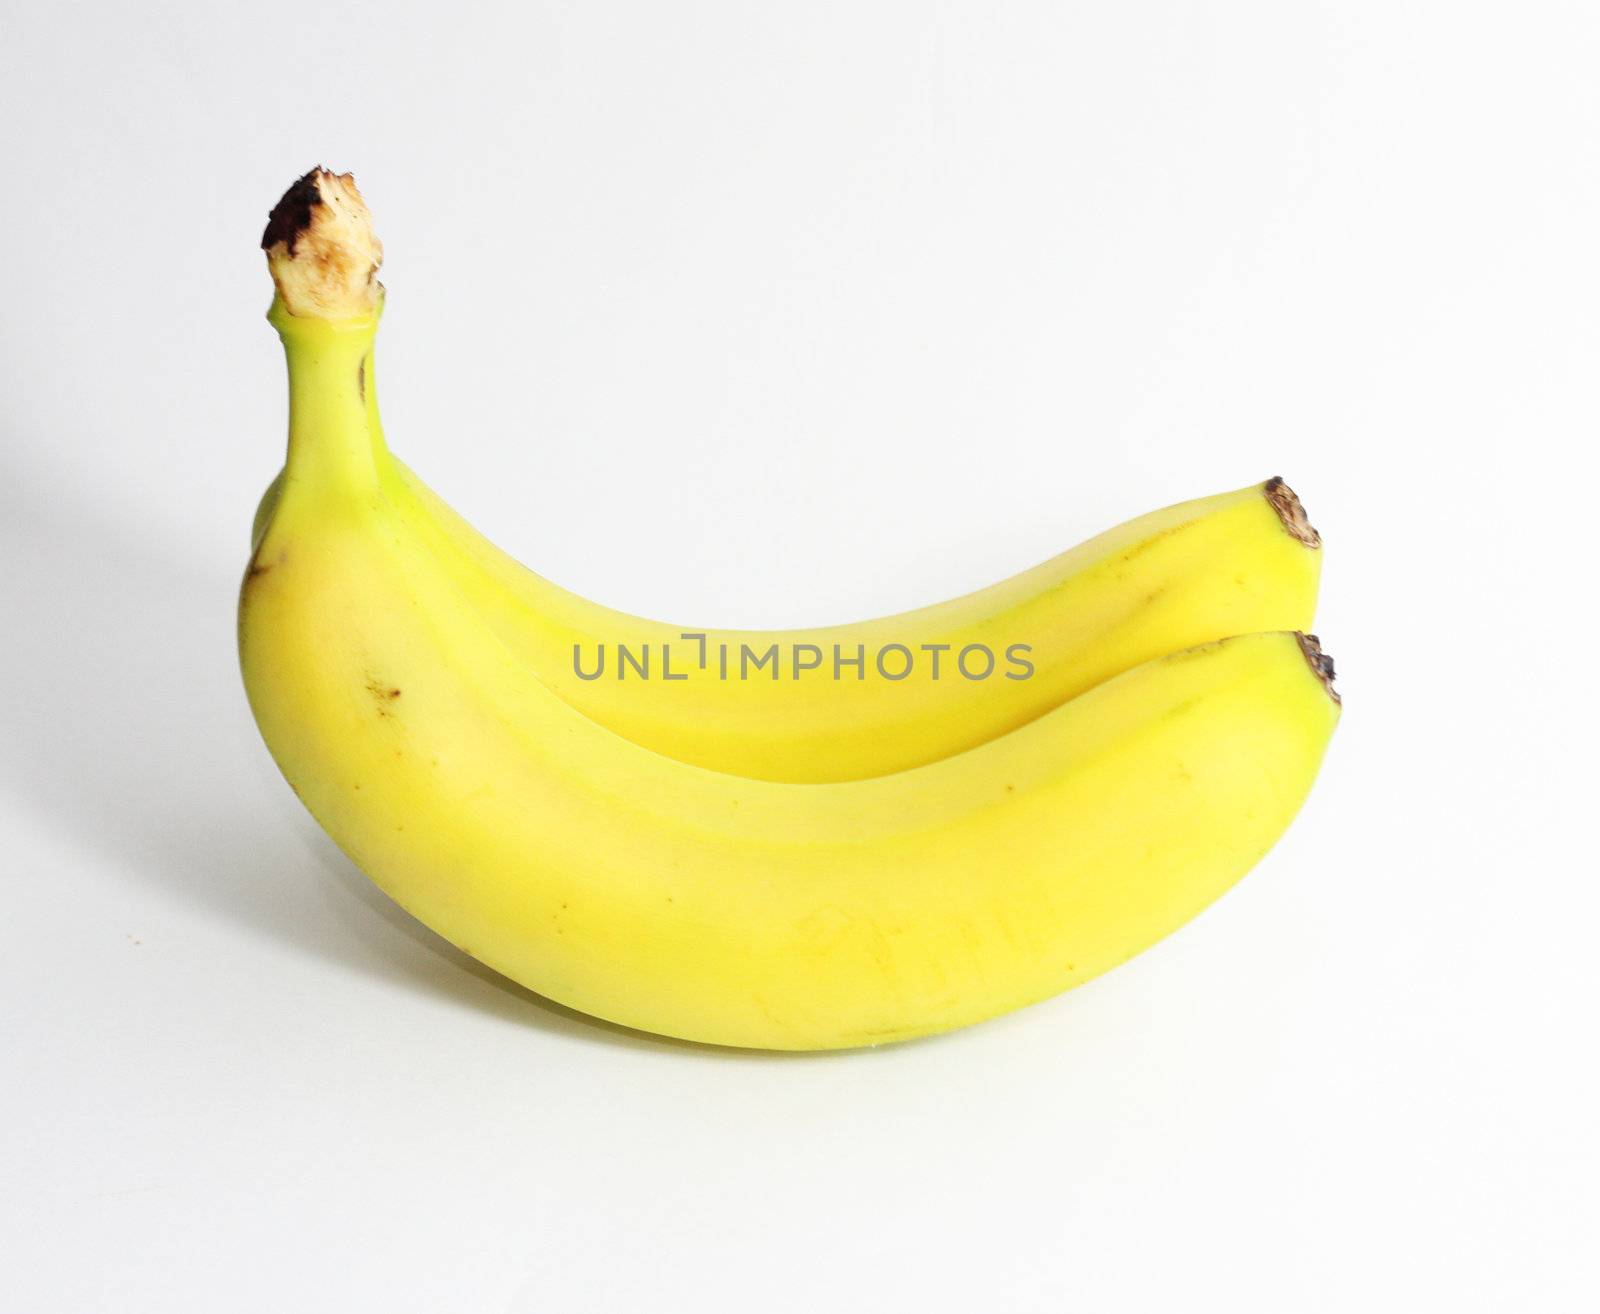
321, 248
1320, 663
1289, 510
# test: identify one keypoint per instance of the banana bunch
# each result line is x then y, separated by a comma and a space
785, 840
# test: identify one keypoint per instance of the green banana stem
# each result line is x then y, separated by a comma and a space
324, 259
331, 437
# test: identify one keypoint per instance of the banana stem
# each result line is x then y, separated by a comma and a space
321, 250
334, 441
324, 259
369, 397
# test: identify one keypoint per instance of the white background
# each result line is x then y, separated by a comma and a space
785, 313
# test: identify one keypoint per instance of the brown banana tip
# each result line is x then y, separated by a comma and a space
321, 249
1320, 663
1283, 500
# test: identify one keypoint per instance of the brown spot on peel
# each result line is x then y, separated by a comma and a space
258, 567
1320, 663
1283, 500
383, 693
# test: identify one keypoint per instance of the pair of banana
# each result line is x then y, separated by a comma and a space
883, 830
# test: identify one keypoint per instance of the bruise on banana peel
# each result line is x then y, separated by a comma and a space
321, 249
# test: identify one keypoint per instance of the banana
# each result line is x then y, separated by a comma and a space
1235, 563
693, 903
866, 699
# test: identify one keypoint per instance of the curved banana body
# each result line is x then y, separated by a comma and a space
852, 701
895, 692
698, 904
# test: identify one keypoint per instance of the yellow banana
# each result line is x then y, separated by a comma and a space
865, 699
699, 904
833, 704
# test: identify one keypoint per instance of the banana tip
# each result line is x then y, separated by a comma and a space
1283, 500
1320, 663
321, 249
